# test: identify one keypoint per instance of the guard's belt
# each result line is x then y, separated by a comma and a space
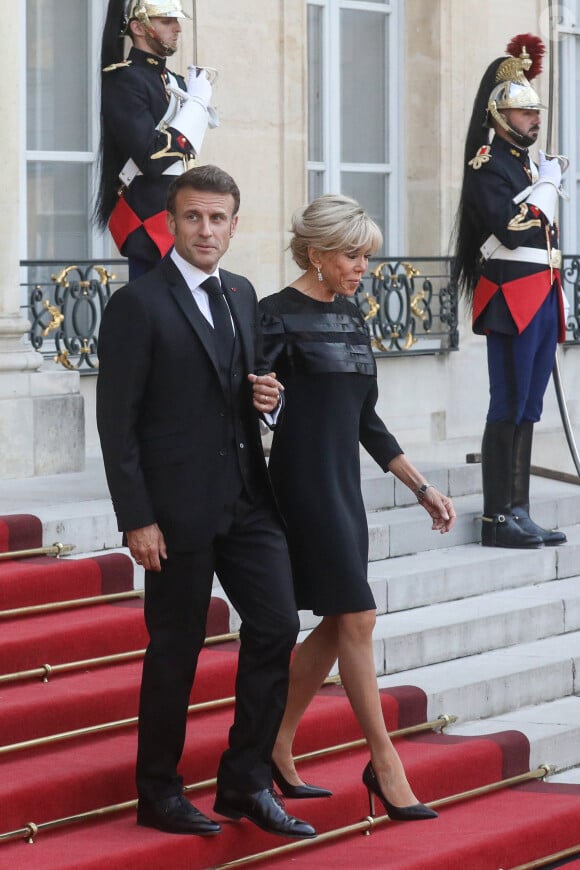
492, 249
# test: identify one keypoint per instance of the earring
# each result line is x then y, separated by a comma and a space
319, 274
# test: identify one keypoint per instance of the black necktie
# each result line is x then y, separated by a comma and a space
222, 321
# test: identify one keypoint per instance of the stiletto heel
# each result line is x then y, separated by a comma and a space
399, 814
297, 791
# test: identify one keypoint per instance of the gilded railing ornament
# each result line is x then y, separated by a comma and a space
74, 302
57, 318
410, 306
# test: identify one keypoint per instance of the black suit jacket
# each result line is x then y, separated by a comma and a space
162, 412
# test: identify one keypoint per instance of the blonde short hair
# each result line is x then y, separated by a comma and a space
332, 222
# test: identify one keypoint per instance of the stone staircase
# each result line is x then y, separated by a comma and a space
490, 635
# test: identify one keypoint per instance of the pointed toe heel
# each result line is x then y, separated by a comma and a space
297, 791
414, 813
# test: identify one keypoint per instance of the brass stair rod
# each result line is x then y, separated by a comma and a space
30, 830
45, 671
539, 773
56, 549
368, 825
440, 723
67, 605
548, 860
103, 727
89, 730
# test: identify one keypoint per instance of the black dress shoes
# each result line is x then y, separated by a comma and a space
175, 815
265, 809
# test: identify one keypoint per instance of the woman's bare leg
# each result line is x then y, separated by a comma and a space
357, 671
310, 667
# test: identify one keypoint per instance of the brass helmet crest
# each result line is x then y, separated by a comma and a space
513, 89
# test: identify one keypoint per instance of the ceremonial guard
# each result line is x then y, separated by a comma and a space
152, 126
508, 269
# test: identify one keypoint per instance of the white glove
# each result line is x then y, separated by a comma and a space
550, 170
199, 86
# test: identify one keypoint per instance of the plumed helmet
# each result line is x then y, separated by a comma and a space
505, 85
513, 75
143, 10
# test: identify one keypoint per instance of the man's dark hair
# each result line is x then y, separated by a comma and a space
208, 178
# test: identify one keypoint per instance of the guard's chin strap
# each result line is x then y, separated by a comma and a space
520, 138
167, 49
143, 18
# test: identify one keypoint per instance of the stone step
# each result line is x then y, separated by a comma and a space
75, 508
381, 491
499, 681
569, 775
452, 630
552, 728
454, 572
400, 531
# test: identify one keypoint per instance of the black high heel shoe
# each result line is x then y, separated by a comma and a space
297, 791
416, 812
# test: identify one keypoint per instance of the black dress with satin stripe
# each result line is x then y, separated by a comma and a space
321, 352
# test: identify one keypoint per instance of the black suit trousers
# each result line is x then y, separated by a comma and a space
251, 560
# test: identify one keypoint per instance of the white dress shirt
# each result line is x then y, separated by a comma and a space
193, 277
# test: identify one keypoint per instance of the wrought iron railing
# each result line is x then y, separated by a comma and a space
410, 305
65, 304
571, 284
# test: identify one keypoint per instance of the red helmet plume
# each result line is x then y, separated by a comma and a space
534, 47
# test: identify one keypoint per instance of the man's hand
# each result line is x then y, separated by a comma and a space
267, 392
147, 546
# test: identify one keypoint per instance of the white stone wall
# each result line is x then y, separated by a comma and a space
436, 405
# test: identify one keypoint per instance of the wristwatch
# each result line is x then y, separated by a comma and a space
420, 493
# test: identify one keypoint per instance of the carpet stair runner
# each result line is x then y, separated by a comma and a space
83, 773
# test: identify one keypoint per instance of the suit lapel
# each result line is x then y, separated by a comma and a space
182, 295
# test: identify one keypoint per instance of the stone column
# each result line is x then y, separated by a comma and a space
41, 412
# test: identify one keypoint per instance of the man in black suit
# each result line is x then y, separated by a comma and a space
177, 403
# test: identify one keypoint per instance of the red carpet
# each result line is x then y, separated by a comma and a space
25, 582
493, 832
20, 532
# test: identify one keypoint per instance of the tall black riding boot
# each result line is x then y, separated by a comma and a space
499, 527
521, 462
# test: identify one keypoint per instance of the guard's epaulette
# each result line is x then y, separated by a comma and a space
483, 156
113, 66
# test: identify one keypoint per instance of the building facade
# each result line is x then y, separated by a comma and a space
367, 97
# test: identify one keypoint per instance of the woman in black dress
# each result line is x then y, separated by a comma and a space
316, 341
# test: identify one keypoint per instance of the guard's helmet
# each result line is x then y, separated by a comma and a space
142, 10
513, 75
